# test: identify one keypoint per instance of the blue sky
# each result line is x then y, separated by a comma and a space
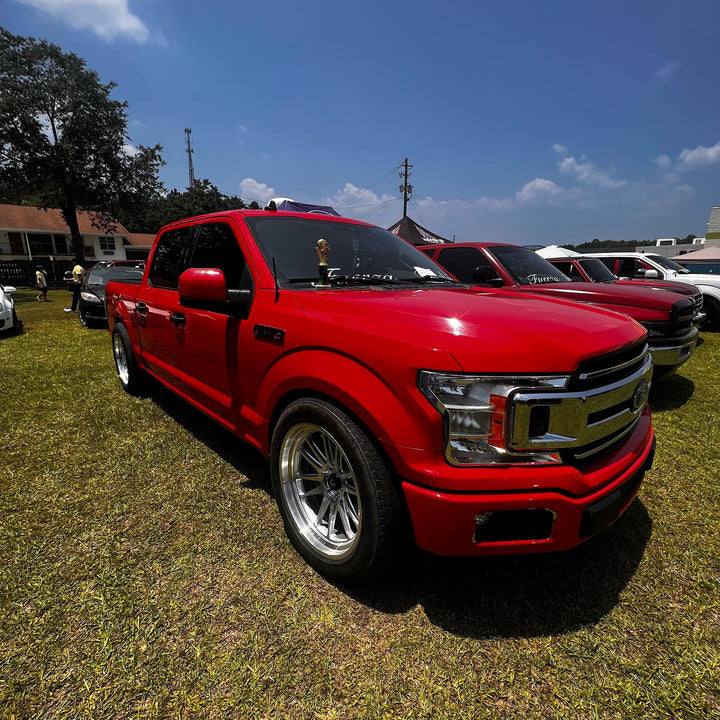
525, 122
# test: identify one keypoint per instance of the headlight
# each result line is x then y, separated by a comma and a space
474, 413
89, 297
656, 329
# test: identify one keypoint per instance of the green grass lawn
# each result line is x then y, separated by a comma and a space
144, 572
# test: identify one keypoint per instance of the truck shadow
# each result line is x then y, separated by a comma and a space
511, 596
243, 457
672, 393
521, 596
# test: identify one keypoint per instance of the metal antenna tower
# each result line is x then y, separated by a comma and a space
191, 171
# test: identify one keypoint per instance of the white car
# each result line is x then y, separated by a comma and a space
648, 266
8, 317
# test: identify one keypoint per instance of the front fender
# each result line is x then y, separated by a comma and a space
396, 413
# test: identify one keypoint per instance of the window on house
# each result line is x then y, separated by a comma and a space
107, 245
40, 244
90, 251
61, 244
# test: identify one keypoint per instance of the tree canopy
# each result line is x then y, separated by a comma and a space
63, 138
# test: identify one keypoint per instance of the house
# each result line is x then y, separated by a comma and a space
31, 236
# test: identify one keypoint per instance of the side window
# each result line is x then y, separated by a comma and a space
609, 263
640, 268
626, 268
170, 258
462, 261
569, 269
217, 247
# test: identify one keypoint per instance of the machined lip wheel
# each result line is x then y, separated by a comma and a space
320, 490
121, 360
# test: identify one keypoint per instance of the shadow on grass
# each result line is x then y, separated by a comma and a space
510, 596
521, 596
243, 457
671, 393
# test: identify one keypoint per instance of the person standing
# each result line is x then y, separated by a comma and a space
78, 275
41, 283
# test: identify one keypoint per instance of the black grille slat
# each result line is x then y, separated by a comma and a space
608, 368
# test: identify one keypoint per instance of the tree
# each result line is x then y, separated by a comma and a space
149, 214
63, 139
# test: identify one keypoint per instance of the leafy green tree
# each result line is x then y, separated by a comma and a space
63, 139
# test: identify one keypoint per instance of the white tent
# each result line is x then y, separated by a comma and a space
555, 251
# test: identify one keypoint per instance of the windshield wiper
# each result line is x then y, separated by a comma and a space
429, 279
359, 280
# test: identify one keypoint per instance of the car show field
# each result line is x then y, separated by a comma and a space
144, 572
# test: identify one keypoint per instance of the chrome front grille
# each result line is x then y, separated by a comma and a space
682, 316
602, 404
697, 302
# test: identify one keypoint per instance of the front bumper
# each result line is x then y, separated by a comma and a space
672, 352
531, 519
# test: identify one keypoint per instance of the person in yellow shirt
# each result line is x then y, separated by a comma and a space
78, 275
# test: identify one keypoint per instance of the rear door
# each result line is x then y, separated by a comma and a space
158, 306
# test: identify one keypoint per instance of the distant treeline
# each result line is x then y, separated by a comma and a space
596, 243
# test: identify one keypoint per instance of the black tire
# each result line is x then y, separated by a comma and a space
15, 329
712, 308
131, 377
361, 535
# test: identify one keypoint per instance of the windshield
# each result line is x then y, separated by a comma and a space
597, 271
358, 254
669, 264
102, 276
527, 267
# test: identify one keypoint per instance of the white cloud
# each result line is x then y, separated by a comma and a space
584, 170
537, 190
699, 157
130, 150
251, 189
108, 19
667, 72
358, 202
662, 161
242, 128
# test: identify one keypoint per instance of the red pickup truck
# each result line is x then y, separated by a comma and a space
389, 398
667, 316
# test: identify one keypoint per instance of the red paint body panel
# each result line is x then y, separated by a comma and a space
363, 348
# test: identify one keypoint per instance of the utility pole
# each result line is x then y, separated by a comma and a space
191, 171
405, 189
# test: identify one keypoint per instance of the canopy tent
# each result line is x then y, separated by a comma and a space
708, 254
555, 251
289, 205
416, 234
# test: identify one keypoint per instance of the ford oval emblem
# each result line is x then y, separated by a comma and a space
640, 396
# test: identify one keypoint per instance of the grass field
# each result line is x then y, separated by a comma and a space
144, 572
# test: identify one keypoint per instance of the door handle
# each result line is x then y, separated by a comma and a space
141, 309
178, 319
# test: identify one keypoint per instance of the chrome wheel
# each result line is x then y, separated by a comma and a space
121, 360
320, 490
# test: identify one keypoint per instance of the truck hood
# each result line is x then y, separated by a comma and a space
694, 278
606, 294
486, 330
683, 288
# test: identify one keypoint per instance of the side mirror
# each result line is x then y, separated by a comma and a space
9, 289
206, 289
651, 274
485, 275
